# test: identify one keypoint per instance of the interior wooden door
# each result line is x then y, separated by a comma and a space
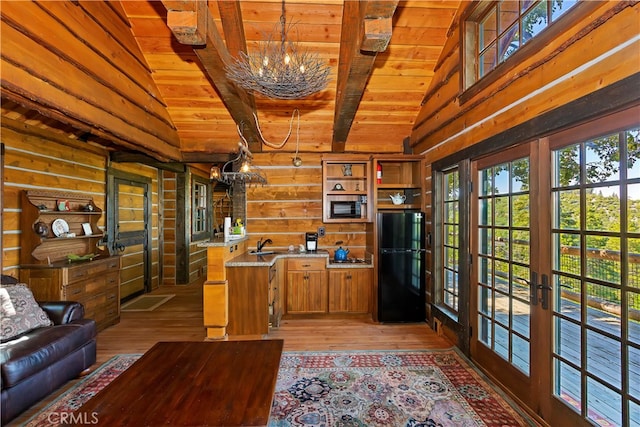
128, 223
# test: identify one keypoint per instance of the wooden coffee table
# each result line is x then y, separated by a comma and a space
225, 383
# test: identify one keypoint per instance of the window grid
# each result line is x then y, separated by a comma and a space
508, 25
451, 240
596, 260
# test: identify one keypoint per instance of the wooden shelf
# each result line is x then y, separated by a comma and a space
356, 184
39, 207
403, 174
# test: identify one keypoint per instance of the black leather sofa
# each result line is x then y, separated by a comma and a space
39, 361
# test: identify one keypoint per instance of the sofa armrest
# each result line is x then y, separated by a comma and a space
62, 312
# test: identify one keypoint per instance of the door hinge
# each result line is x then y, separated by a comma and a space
470, 331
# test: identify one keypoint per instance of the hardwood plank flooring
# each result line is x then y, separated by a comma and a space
180, 319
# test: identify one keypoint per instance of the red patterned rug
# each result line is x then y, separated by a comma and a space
359, 388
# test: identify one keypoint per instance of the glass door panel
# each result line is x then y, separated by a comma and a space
501, 220
595, 277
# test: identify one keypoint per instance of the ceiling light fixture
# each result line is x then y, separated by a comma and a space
239, 170
280, 69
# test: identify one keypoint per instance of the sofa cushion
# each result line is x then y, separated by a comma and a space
40, 348
20, 312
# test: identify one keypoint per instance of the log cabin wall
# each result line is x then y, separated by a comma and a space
40, 160
592, 52
290, 204
80, 61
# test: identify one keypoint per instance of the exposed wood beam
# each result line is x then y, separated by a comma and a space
188, 21
134, 157
366, 30
213, 57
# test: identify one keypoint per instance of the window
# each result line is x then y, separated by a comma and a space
200, 209
451, 240
495, 31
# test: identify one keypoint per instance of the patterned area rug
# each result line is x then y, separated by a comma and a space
367, 388
386, 388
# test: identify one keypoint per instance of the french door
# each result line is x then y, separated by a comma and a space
555, 281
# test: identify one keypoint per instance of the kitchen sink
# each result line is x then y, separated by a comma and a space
262, 252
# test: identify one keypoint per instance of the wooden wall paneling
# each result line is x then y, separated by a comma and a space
66, 165
291, 204
105, 103
582, 57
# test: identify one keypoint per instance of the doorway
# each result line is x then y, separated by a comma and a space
128, 229
555, 280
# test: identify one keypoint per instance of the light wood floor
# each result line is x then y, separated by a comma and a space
180, 319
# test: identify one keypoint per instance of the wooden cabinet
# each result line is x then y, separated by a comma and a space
49, 233
95, 284
346, 179
275, 305
56, 224
350, 290
306, 286
254, 299
401, 174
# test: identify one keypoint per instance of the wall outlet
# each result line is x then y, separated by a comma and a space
321, 231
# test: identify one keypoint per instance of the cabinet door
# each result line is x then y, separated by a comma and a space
306, 292
349, 291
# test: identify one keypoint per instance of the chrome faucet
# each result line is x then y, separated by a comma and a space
261, 244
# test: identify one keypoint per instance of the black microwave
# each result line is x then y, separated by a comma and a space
345, 209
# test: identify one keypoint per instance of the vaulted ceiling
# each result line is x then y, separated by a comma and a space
374, 95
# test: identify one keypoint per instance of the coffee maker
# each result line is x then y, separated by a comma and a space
311, 241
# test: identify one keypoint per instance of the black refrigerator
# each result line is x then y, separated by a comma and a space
401, 263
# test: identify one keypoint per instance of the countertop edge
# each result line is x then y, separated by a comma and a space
249, 260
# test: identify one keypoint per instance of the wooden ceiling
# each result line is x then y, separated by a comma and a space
371, 101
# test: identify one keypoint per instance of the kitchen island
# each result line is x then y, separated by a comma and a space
246, 294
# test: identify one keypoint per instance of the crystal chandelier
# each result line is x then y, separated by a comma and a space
280, 69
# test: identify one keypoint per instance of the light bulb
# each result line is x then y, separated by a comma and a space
245, 168
287, 59
260, 72
215, 172
302, 68
265, 61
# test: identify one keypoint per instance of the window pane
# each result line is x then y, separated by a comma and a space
604, 406
534, 22
604, 317
567, 299
485, 244
567, 210
603, 159
603, 258
486, 178
487, 60
508, 14
520, 209
502, 211
633, 263
567, 256
566, 166
508, 43
485, 213
603, 208
633, 208
633, 326
604, 358
567, 340
487, 31
520, 246
558, 8
520, 175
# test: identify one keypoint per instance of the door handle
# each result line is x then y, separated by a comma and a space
545, 288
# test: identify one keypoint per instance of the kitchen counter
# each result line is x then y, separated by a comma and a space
248, 260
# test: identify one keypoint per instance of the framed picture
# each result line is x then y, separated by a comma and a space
86, 227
